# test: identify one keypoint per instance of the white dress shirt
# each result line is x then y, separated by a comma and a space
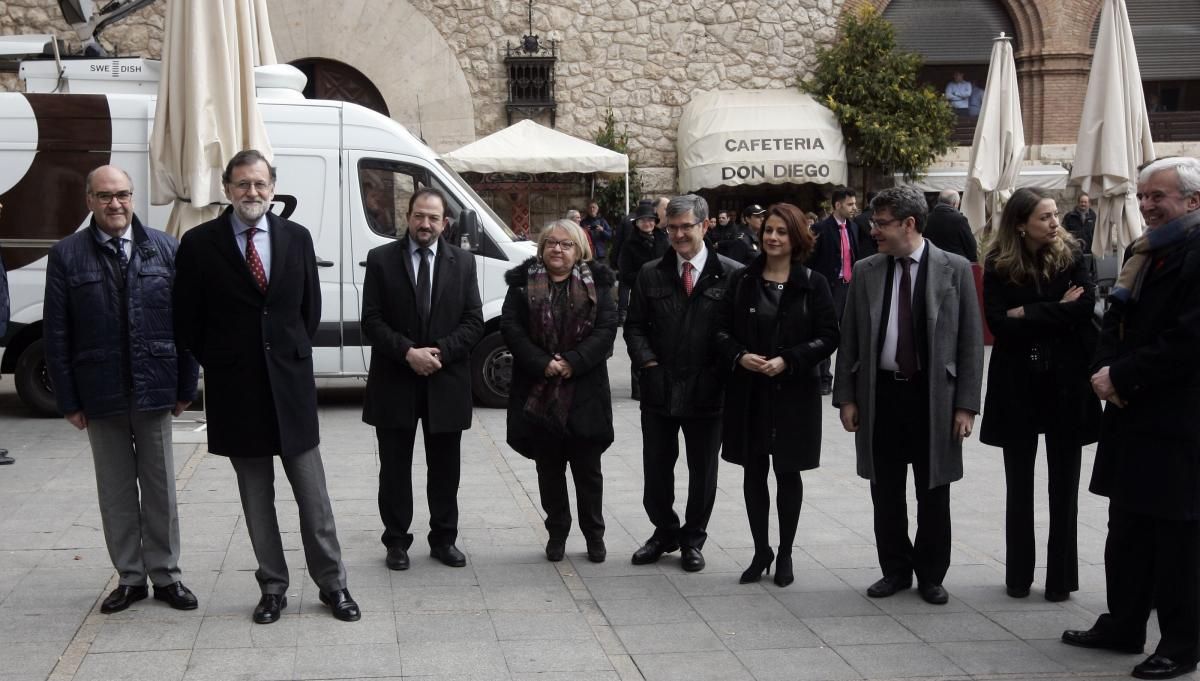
697, 261
887, 356
262, 240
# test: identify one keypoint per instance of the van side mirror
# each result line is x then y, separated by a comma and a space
467, 230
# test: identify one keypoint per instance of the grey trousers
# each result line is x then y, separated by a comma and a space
135, 482
322, 552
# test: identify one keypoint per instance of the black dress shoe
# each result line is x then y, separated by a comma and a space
122, 597
1016, 592
783, 570
342, 605
692, 559
5, 459
397, 558
449, 555
1090, 638
933, 593
177, 596
1159, 667
761, 562
596, 550
652, 550
888, 586
556, 549
268, 608
1057, 596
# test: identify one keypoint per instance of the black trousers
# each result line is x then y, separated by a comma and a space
443, 462
1063, 455
1153, 562
589, 491
839, 289
660, 451
902, 437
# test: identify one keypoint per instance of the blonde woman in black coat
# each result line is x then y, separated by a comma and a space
778, 325
559, 321
1038, 299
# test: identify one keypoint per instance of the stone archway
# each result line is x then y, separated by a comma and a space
393, 45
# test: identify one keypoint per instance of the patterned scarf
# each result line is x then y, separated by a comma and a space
1133, 273
549, 401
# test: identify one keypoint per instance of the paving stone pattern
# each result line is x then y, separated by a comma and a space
510, 614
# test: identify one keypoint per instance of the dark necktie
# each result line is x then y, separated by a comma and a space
424, 286
255, 262
906, 344
116, 242
687, 278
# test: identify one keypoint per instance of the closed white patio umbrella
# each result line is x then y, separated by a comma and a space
1114, 134
206, 110
999, 144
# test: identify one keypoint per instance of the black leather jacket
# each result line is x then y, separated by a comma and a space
678, 331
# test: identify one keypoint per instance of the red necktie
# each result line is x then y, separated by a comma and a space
687, 278
255, 263
847, 266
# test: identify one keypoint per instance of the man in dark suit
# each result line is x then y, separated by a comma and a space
422, 315
1081, 222
1148, 371
948, 229
866, 245
834, 256
909, 374
247, 304
671, 337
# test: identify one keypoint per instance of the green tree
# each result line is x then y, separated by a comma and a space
891, 121
610, 192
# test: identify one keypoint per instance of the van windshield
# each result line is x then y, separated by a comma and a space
469, 192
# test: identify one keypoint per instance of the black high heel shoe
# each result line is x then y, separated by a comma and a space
783, 570
761, 563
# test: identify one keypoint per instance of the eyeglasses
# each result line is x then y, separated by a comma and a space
421, 218
684, 227
564, 245
105, 197
245, 186
880, 224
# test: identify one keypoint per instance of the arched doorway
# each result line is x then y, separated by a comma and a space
330, 79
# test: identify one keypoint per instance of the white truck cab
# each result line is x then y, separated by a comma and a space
345, 173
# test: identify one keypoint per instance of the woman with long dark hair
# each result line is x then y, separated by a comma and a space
777, 327
1039, 296
559, 321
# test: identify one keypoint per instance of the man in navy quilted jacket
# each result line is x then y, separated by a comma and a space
116, 373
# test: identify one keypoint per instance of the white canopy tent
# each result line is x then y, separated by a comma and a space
1036, 176
736, 137
526, 147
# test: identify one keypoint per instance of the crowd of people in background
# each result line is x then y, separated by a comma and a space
730, 321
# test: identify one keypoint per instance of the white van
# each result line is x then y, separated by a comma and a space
345, 172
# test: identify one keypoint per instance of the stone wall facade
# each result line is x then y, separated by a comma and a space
642, 58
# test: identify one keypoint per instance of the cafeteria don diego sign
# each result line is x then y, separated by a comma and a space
736, 137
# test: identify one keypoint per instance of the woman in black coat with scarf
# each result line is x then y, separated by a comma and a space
559, 321
1038, 298
778, 325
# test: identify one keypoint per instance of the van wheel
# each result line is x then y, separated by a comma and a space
33, 381
491, 371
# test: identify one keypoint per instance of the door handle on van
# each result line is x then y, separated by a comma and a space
324, 263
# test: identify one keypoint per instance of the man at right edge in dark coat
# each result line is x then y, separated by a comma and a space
1147, 369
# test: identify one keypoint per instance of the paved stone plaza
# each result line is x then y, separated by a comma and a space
510, 614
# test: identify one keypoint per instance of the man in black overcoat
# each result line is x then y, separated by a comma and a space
948, 229
422, 315
247, 303
1148, 459
671, 337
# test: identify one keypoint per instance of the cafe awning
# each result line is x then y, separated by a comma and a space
736, 137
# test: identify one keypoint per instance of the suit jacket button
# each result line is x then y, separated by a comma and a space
267, 346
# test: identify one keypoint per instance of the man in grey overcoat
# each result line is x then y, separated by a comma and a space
909, 373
